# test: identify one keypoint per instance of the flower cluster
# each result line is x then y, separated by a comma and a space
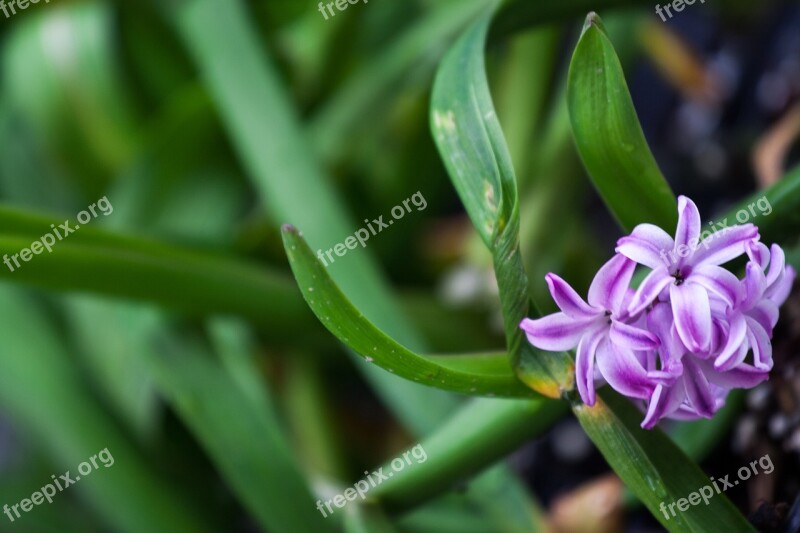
681, 340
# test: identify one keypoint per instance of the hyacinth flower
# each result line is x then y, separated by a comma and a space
688, 269
689, 386
778, 276
680, 341
755, 314
600, 329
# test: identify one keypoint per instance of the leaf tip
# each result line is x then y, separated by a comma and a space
592, 20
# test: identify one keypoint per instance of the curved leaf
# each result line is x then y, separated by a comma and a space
471, 142
477, 375
609, 138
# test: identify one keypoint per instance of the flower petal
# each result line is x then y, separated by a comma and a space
692, 313
742, 376
567, 299
724, 245
735, 349
556, 332
584, 365
632, 338
777, 265
755, 283
623, 371
611, 283
766, 313
698, 390
655, 282
717, 280
781, 291
687, 413
758, 253
661, 323
664, 402
688, 230
780, 277
648, 245
760, 344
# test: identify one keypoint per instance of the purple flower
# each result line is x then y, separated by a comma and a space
779, 277
600, 331
689, 386
680, 342
755, 313
693, 272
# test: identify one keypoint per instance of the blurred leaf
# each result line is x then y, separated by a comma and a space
782, 224
519, 14
112, 337
474, 375
196, 282
61, 72
609, 138
473, 439
266, 133
653, 467
244, 440
46, 396
26, 465
420, 46
314, 421
366, 518
524, 89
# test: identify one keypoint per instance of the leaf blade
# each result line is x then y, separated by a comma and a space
653, 467
609, 138
351, 327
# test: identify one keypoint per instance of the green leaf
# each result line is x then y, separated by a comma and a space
492, 433
244, 439
475, 375
112, 336
418, 47
609, 138
469, 136
195, 282
367, 518
471, 142
653, 467
778, 217
46, 396
267, 135
82, 109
